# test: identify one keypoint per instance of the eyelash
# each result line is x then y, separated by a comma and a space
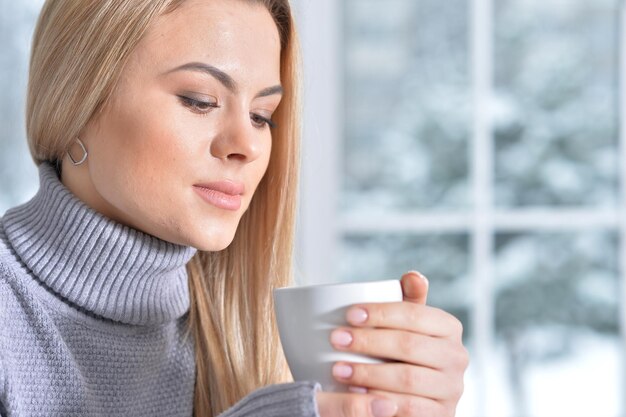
195, 107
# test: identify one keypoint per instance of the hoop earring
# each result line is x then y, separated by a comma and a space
84, 155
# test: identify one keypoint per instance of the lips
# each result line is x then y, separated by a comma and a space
221, 194
226, 187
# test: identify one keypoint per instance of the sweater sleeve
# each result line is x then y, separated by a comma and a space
292, 399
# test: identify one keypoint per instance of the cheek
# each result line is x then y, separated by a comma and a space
260, 166
142, 157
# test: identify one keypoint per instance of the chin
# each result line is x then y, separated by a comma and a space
208, 234
213, 243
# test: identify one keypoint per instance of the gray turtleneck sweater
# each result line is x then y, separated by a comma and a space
92, 318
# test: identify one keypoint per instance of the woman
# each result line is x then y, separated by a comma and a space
138, 279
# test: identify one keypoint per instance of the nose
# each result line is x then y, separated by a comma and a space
238, 140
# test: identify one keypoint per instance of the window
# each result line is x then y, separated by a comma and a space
479, 142
18, 173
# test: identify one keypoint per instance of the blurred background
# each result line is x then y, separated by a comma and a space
478, 141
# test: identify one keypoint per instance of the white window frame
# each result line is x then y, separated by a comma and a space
622, 200
320, 225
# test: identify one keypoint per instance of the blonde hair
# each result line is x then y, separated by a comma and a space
78, 52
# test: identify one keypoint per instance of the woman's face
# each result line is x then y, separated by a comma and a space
191, 108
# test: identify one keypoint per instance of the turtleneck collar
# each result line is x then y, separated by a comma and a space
96, 263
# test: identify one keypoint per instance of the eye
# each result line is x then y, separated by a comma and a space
197, 106
261, 122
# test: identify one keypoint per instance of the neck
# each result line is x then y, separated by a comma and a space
95, 263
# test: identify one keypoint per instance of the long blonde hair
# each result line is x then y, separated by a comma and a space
78, 52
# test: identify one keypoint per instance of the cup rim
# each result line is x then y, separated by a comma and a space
331, 284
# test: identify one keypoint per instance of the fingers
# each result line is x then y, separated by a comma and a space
399, 378
412, 406
401, 346
426, 381
332, 404
414, 287
406, 316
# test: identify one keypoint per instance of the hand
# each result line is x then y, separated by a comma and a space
427, 377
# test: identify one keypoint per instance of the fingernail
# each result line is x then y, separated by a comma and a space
384, 408
342, 371
357, 390
341, 338
356, 315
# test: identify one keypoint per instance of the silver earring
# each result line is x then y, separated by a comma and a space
84, 155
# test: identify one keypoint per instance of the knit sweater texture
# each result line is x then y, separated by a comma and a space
93, 318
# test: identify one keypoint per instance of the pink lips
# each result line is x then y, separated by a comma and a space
221, 194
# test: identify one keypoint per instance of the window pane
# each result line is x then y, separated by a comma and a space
406, 104
18, 173
557, 325
556, 95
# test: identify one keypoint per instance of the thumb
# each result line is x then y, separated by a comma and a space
414, 287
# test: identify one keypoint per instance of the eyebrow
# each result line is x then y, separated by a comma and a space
223, 78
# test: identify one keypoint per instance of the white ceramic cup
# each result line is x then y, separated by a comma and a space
306, 315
